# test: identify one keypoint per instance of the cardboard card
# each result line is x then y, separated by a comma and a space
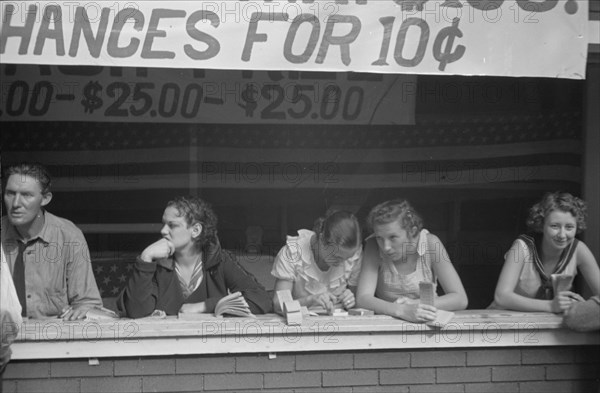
426, 293
561, 282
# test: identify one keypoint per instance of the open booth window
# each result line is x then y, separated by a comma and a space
277, 112
273, 151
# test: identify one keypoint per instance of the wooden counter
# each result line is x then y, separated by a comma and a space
55, 339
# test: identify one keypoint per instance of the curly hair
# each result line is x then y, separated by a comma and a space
390, 211
196, 210
340, 228
562, 201
35, 170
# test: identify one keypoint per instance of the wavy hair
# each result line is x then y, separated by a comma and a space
196, 210
390, 211
35, 170
562, 201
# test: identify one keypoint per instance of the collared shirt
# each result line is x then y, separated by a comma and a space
58, 270
187, 288
296, 262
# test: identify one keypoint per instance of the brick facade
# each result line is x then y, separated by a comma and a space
518, 369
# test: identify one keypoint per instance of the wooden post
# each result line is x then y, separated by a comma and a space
591, 157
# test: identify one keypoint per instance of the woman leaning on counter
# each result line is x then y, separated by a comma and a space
186, 270
548, 253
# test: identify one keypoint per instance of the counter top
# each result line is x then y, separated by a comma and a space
54, 338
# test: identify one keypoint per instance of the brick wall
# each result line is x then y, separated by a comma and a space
545, 369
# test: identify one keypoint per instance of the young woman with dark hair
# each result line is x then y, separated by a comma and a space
186, 270
321, 267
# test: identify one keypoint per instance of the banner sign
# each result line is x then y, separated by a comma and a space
97, 93
538, 38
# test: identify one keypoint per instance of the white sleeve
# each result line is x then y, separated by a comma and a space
10, 310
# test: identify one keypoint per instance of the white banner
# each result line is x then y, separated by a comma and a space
96, 93
543, 38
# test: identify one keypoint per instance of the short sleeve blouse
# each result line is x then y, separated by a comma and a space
295, 262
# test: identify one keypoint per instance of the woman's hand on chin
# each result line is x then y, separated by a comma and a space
160, 249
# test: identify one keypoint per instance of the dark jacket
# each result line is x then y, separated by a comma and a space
155, 286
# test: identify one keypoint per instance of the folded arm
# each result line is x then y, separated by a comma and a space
82, 290
505, 295
238, 279
367, 284
455, 297
140, 295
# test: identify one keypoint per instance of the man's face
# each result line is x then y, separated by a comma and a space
24, 199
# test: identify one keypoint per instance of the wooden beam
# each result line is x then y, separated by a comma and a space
591, 158
55, 339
